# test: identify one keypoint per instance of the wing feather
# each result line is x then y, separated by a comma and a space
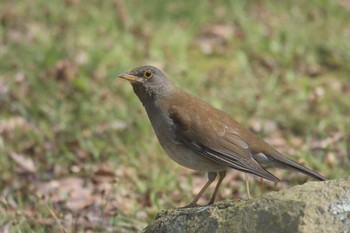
215, 139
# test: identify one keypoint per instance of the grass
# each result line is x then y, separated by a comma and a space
280, 68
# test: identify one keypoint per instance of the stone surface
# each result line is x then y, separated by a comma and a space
311, 207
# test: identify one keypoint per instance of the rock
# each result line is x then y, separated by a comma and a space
311, 207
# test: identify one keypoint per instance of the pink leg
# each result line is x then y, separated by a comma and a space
222, 175
211, 178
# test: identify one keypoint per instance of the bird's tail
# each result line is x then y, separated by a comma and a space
288, 163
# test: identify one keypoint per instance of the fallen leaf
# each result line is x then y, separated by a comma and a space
331, 159
116, 125
25, 162
3, 88
324, 143
66, 189
214, 37
80, 199
5, 227
64, 70
13, 123
102, 176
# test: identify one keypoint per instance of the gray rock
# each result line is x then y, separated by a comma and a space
311, 207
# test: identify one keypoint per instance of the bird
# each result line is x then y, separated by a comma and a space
201, 137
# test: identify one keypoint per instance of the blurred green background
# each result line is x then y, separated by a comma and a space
77, 152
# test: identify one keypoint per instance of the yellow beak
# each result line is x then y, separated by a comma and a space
130, 77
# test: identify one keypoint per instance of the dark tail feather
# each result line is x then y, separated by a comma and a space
296, 166
265, 174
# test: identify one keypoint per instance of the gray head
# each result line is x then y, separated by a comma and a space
148, 82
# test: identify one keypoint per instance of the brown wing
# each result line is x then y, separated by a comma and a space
212, 133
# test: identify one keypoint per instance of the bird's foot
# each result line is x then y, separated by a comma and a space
195, 205
191, 205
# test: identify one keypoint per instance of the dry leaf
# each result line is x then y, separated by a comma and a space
64, 189
102, 176
3, 88
64, 70
80, 199
331, 159
5, 227
324, 143
12, 123
255, 125
25, 162
117, 125
214, 37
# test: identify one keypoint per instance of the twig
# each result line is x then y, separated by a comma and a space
62, 229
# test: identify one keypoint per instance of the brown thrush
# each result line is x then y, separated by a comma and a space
201, 137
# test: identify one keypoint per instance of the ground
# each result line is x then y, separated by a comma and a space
77, 152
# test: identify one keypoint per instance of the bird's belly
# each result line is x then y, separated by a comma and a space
190, 159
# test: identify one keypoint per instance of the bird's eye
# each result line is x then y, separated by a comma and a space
148, 74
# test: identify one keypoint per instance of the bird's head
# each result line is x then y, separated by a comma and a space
148, 81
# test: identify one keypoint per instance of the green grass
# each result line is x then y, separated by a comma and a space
62, 106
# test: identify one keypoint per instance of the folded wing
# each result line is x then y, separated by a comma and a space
216, 139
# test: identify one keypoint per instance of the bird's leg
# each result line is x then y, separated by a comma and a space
262, 185
211, 178
247, 185
222, 175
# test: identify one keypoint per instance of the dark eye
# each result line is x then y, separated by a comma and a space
148, 74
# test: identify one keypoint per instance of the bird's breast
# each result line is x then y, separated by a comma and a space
163, 127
